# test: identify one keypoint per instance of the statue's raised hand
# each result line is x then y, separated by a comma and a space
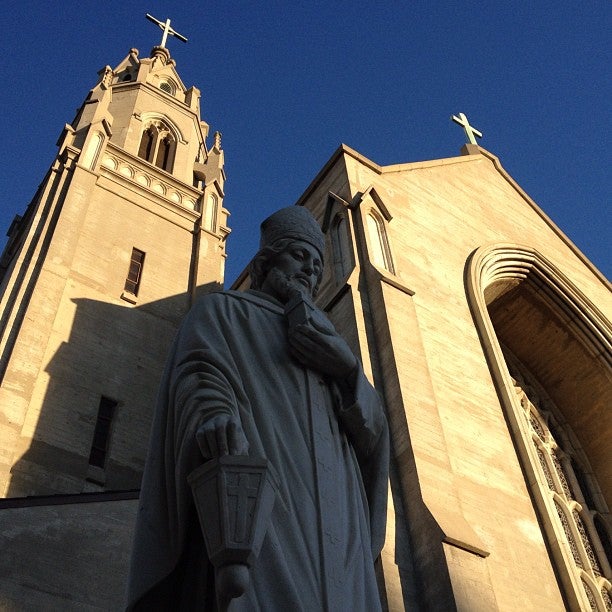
318, 346
221, 435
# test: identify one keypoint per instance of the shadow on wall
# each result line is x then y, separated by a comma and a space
97, 399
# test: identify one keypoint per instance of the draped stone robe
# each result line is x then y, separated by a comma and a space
329, 454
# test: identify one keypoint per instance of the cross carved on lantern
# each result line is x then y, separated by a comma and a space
243, 491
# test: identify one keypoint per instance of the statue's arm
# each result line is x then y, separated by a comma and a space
318, 346
204, 379
361, 413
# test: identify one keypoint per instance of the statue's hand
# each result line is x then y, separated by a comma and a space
221, 435
318, 346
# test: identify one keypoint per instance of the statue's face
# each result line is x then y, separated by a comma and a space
296, 268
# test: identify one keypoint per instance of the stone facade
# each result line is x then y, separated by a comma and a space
126, 229
73, 330
442, 273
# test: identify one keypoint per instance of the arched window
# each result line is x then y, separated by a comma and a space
168, 86
147, 143
158, 145
340, 248
561, 477
92, 152
380, 254
163, 153
210, 212
550, 353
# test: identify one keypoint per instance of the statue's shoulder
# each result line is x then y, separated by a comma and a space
217, 299
231, 298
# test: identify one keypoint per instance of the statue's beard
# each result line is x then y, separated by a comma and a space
285, 286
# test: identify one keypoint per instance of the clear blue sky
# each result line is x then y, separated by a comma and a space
287, 82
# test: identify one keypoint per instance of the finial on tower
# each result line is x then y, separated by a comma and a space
217, 141
469, 130
165, 26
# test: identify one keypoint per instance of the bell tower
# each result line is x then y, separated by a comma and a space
124, 231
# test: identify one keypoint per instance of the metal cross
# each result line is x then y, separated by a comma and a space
165, 26
470, 131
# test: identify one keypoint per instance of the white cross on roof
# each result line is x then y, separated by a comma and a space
165, 26
470, 131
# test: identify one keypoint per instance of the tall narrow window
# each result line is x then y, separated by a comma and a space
132, 282
147, 142
340, 248
210, 213
163, 153
380, 254
101, 437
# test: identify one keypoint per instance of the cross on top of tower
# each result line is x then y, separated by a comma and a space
469, 130
165, 26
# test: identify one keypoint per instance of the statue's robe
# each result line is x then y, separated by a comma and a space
329, 454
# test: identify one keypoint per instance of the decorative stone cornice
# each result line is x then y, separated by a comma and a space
143, 175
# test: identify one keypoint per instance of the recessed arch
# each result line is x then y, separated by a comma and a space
150, 117
526, 309
500, 274
92, 151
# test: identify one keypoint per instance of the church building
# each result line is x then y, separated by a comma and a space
485, 330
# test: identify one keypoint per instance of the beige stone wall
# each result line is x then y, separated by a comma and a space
72, 333
93, 342
451, 442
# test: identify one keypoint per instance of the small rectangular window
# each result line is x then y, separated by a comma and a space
101, 437
132, 282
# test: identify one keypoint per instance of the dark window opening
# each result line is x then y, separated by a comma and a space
157, 146
163, 154
604, 536
132, 282
146, 144
101, 437
585, 488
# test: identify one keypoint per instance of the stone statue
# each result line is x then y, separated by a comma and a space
263, 373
